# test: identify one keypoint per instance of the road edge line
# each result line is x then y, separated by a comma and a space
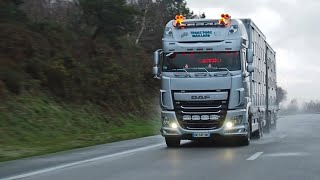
46, 170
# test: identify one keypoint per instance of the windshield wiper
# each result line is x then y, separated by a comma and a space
207, 72
223, 69
186, 73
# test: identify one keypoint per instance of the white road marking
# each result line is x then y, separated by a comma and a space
82, 162
283, 136
287, 154
263, 141
254, 156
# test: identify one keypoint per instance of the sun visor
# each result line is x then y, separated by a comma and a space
200, 34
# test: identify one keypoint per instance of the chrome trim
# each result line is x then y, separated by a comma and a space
197, 113
205, 96
201, 107
201, 128
161, 99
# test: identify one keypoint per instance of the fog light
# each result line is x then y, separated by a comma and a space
229, 125
186, 118
174, 125
205, 117
196, 118
214, 117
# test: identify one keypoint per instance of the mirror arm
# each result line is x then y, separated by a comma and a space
156, 77
245, 76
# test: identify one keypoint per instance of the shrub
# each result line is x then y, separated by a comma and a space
13, 80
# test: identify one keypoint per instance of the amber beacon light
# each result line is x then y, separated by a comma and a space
225, 19
179, 20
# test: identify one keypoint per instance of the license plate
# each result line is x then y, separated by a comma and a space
200, 135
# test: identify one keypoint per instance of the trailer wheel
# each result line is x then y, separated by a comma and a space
172, 142
274, 125
258, 133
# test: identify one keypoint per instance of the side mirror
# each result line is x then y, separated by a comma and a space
155, 71
249, 56
250, 68
156, 57
156, 60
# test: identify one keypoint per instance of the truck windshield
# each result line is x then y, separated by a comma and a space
208, 60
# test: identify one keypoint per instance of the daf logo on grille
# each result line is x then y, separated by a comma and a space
200, 97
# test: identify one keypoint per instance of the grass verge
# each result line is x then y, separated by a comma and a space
31, 126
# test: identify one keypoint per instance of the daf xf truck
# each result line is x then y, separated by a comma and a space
218, 78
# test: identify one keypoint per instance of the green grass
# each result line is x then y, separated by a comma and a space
32, 126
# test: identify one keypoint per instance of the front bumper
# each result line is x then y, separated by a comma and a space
179, 132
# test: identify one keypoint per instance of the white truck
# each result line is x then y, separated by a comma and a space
218, 78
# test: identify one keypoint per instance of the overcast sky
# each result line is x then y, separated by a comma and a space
291, 27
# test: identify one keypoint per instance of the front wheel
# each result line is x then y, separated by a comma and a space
172, 142
244, 141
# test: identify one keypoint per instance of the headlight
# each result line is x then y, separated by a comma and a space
168, 32
236, 120
233, 29
165, 121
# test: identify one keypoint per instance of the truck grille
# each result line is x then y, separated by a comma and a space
200, 114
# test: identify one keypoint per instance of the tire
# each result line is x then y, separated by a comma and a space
172, 142
249, 126
245, 141
274, 125
259, 133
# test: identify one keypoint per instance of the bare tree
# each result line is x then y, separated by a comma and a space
312, 106
146, 4
53, 10
293, 106
37, 10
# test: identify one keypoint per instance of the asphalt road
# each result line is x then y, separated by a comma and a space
291, 152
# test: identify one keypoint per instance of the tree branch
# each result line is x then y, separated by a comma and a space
143, 23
